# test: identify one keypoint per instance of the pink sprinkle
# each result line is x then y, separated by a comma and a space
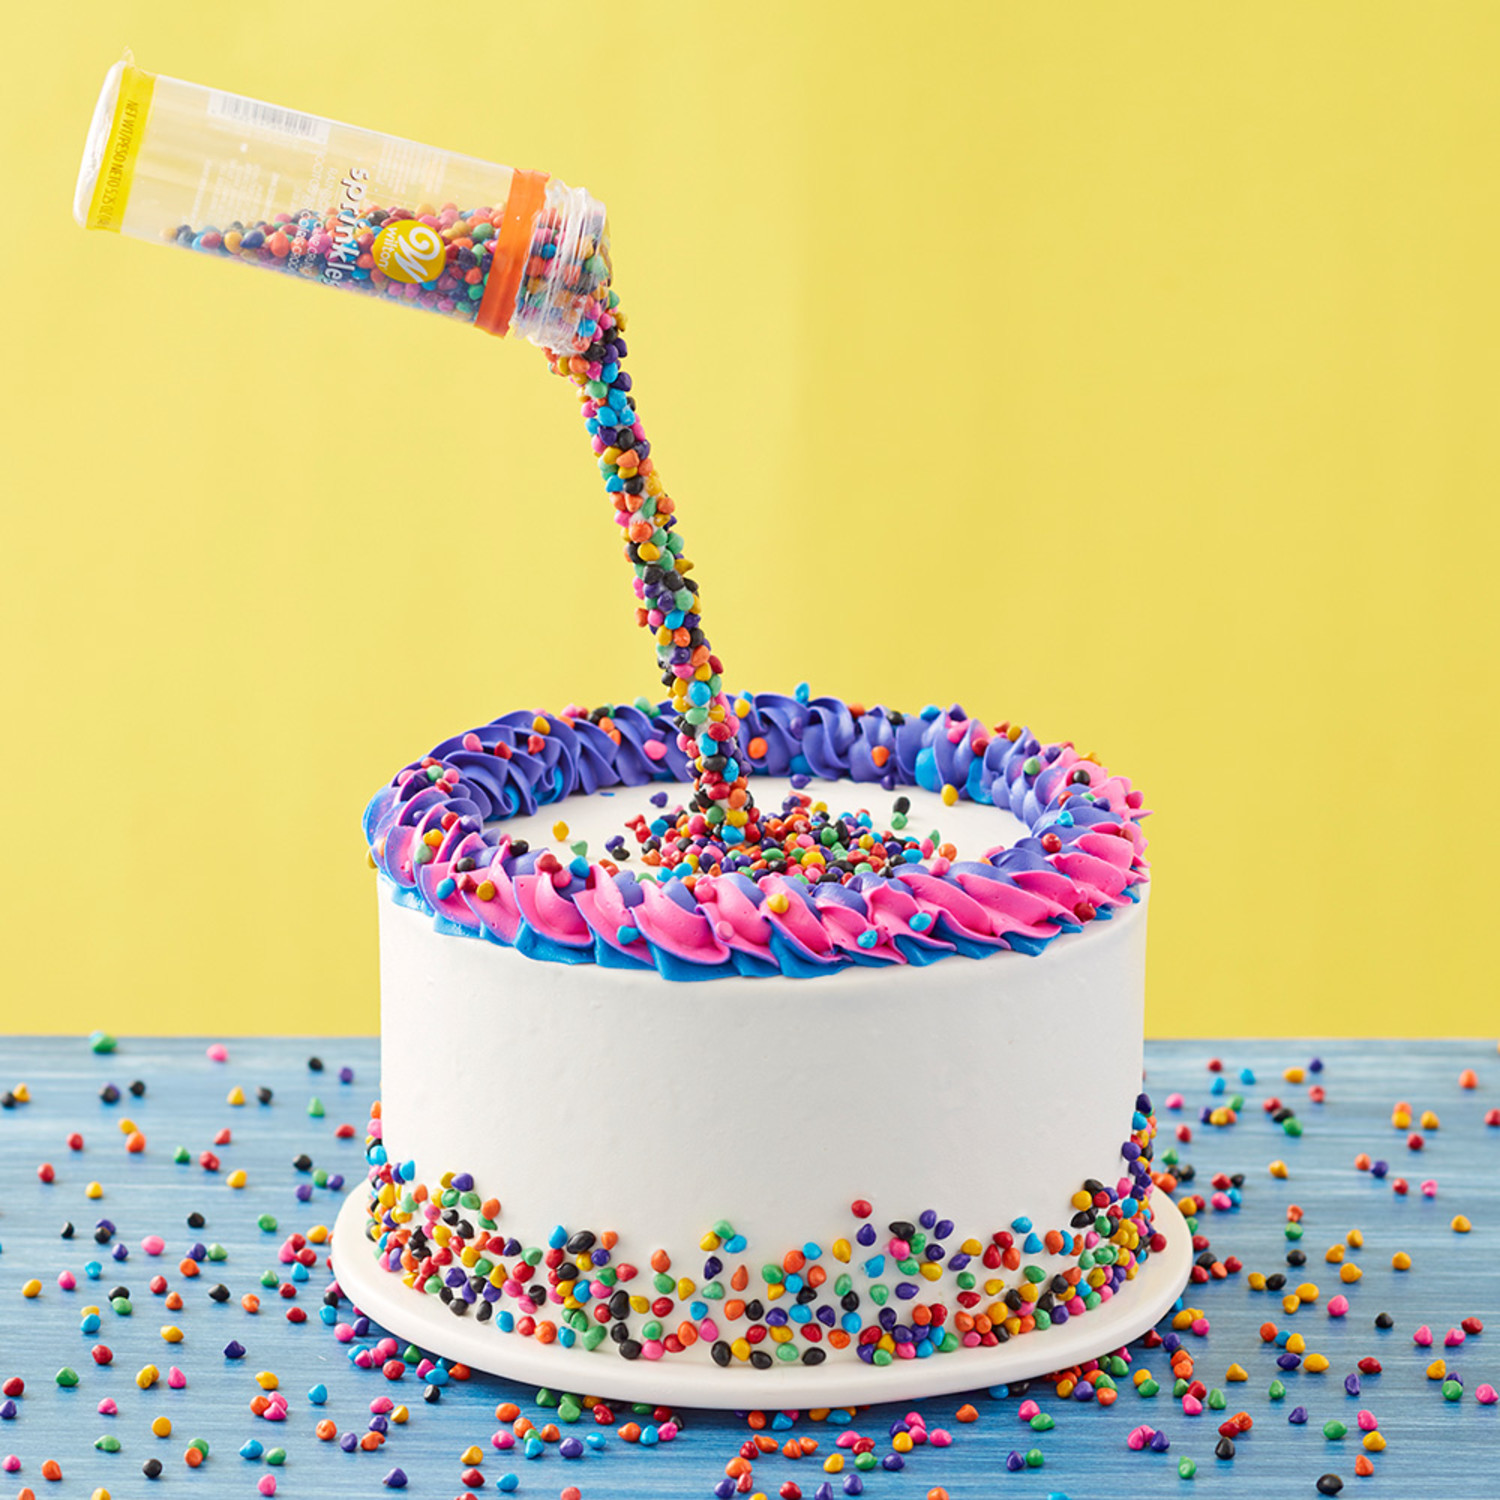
1366, 1420
847, 1438
12, 1464
940, 1437
107, 1407
654, 749
1138, 1438
1487, 1395
65, 1280
343, 1333
667, 1431
1422, 1337
218, 1052
364, 1359
1338, 1306
266, 1484
1192, 1406
176, 1380
1429, 1188
1027, 1410
381, 1405
503, 1440
386, 1349
1453, 1338
1200, 1327
153, 1244
1174, 1101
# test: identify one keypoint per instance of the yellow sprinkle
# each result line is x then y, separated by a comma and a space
486, 891
172, 1333
1401, 1261
147, 1377
162, 1427
777, 902
473, 1454
1236, 1372
318, 1234
1307, 1292
267, 1381
237, 1178
126, 1126
100, 1494
1334, 1254
1257, 1281
236, 1095
399, 1415
33, 1288
1354, 1239
950, 794
1349, 1273
559, 829
1430, 1121
834, 1464
1290, 1303
1278, 1168
1374, 1442
22, 1093
94, 1190
1294, 1075
1437, 1370
539, 725
1317, 1363
842, 1250
1461, 1225
1295, 1343
1401, 1118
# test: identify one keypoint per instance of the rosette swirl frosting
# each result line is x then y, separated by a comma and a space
437, 836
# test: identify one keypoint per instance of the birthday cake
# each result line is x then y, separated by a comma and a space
900, 1117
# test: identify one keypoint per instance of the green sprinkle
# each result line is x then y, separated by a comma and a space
122, 1305
1334, 1430
1186, 1468
315, 1107
107, 1444
1035, 1459
276, 1456
101, 1042
1217, 1400
1277, 1391
1041, 1422
67, 1376
267, 1223
181, 1156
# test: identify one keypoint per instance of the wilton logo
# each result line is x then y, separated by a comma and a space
410, 251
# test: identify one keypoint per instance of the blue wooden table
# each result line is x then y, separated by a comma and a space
1447, 1450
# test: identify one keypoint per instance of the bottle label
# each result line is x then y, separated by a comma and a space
409, 251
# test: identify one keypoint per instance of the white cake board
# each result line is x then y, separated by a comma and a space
426, 1322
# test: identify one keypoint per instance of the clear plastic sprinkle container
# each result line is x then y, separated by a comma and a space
344, 207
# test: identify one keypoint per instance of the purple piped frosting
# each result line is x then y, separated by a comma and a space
437, 835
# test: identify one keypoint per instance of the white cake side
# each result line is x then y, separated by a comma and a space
599, 1099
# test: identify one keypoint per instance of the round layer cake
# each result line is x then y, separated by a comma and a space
875, 1102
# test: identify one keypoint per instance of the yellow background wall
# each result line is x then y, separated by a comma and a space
1144, 359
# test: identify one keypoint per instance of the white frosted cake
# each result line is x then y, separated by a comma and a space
899, 1116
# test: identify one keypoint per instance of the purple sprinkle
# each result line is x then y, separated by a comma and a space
8, 1411
1380, 1168
894, 1462
348, 1442
1297, 1416
234, 1350
346, 1075
1351, 1384
1160, 1442
395, 1480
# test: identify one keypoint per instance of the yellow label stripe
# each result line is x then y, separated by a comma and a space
112, 186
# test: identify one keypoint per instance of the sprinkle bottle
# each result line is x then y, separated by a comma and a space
344, 207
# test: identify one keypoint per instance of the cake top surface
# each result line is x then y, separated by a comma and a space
855, 876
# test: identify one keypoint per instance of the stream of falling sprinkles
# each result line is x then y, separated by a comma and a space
173, 1316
